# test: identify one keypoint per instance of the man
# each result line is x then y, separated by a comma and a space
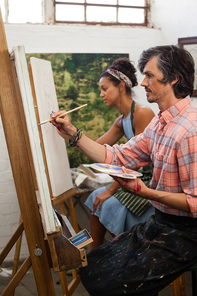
151, 255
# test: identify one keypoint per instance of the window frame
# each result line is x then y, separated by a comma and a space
146, 9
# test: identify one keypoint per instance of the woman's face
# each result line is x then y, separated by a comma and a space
109, 92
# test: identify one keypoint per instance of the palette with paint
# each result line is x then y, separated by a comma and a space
114, 170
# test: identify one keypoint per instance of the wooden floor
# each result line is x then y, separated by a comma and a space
27, 287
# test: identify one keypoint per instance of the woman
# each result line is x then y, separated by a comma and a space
111, 208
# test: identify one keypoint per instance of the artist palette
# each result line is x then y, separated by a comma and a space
114, 170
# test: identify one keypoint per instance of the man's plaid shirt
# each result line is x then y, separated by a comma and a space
170, 143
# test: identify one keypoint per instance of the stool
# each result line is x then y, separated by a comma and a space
179, 284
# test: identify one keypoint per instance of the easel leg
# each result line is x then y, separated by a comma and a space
17, 278
73, 215
69, 290
64, 282
17, 255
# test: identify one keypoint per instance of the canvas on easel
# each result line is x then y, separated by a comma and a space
56, 163
54, 145
43, 192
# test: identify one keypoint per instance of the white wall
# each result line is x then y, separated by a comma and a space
170, 20
175, 19
9, 208
85, 39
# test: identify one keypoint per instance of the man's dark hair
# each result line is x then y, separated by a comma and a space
174, 62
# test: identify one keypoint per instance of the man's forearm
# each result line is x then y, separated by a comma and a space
174, 200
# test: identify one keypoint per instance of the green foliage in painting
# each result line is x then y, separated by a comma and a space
76, 78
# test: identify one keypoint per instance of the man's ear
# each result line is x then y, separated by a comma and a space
174, 81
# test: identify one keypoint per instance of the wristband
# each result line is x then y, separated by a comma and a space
77, 136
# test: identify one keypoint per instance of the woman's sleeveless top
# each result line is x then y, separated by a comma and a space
127, 124
136, 204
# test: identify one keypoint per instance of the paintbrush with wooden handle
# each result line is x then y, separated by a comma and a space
51, 119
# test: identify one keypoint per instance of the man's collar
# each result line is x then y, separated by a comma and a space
175, 109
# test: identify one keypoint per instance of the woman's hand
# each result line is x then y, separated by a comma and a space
100, 198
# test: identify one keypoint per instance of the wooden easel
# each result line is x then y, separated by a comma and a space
44, 248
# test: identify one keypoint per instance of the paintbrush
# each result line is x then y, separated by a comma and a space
51, 119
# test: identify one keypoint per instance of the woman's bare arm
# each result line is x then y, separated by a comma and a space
113, 135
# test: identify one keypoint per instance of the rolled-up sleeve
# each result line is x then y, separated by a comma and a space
130, 154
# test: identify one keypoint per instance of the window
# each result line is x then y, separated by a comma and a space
21, 11
104, 12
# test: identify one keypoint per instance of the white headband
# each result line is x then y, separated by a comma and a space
120, 76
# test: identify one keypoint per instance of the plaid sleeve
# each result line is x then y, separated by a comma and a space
187, 160
132, 154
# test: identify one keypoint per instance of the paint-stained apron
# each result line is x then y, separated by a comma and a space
143, 260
